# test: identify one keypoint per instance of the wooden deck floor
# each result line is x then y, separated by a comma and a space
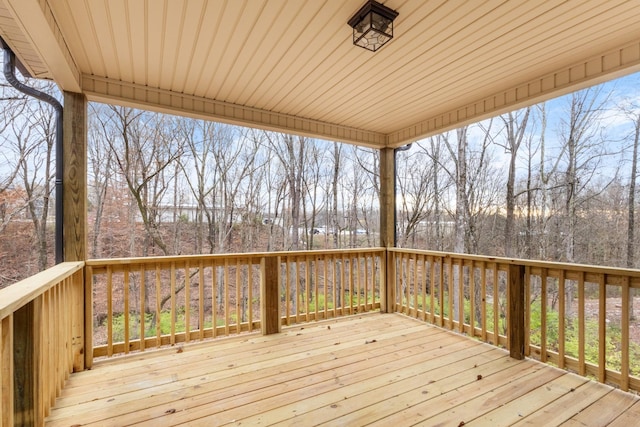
375, 369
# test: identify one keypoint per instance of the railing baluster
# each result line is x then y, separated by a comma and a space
127, 326
238, 298
7, 370
325, 269
460, 284
544, 298
624, 344
602, 332
561, 318
173, 304
451, 295
415, 286
307, 286
158, 308
472, 300
86, 315
316, 271
214, 298
432, 273
527, 308
342, 285
356, 258
287, 292
369, 263
109, 312
582, 369
496, 306
187, 302
298, 286
423, 286
335, 278
483, 310
441, 289
227, 314
249, 293
405, 275
201, 300
143, 309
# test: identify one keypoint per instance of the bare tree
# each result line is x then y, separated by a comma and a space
100, 160
34, 139
633, 112
515, 126
414, 189
143, 146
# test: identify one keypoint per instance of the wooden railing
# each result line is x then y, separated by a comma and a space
140, 303
574, 316
41, 341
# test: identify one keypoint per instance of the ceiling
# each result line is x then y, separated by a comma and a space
290, 65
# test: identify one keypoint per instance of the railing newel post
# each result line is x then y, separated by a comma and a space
516, 311
269, 295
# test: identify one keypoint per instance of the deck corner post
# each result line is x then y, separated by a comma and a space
516, 319
270, 295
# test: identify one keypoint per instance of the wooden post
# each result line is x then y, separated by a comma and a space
270, 295
26, 366
388, 223
75, 176
75, 212
6, 371
515, 326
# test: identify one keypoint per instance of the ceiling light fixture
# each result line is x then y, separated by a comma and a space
372, 25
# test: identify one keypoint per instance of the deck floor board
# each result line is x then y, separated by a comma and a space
373, 369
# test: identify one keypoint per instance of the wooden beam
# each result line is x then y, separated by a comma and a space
516, 314
270, 295
75, 176
112, 91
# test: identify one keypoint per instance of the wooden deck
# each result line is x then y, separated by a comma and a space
374, 369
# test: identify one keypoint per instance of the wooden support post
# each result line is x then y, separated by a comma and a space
75, 213
6, 371
515, 326
270, 295
75, 176
26, 366
388, 223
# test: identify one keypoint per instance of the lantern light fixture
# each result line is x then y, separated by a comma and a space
372, 25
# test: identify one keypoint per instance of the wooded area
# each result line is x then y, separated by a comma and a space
555, 181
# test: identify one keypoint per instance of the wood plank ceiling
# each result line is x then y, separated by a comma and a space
291, 65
